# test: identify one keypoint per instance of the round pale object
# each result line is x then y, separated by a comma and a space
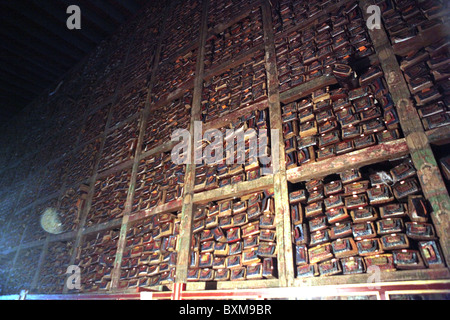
51, 221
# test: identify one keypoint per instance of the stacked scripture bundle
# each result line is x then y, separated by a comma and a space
94, 124
174, 75
139, 62
52, 278
425, 62
129, 103
220, 11
338, 38
53, 179
245, 154
288, 14
235, 88
234, 239
70, 206
235, 40
96, 258
332, 122
373, 216
150, 256
79, 165
120, 145
21, 275
110, 195
158, 181
163, 121
182, 27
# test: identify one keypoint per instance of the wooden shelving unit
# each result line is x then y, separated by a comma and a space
416, 143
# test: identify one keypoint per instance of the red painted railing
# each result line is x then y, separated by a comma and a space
380, 291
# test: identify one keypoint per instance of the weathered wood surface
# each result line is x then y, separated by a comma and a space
164, 208
185, 236
228, 118
422, 39
428, 172
282, 210
234, 190
356, 159
439, 136
306, 88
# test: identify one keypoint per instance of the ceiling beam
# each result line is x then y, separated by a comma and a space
24, 76
38, 65
45, 57
130, 5
35, 14
57, 12
19, 89
105, 9
92, 17
32, 34
25, 67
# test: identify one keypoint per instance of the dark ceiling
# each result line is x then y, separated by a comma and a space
36, 47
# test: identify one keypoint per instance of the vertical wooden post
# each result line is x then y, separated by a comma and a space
16, 256
427, 169
142, 126
284, 243
87, 206
185, 237
35, 282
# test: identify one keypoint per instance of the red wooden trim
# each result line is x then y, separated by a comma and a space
381, 289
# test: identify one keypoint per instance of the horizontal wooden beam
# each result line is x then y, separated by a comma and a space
356, 159
228, 118
167, 207
220, 27
103, 226
178, 93
305, 23
439, 136
236, 61
367, 278
108, 171
306, 88
193, 287
164, 147
422, 39
234, 190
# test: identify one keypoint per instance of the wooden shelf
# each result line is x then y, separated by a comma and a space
178, 93
306, 88
286, 284
117, 167
428, 172
226, 119
167, 207
232, 63
356, 159
439, 136
368, 278
103, 226
164, 147
220, 27
230, 285
422, 39
313, 20
234, 190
